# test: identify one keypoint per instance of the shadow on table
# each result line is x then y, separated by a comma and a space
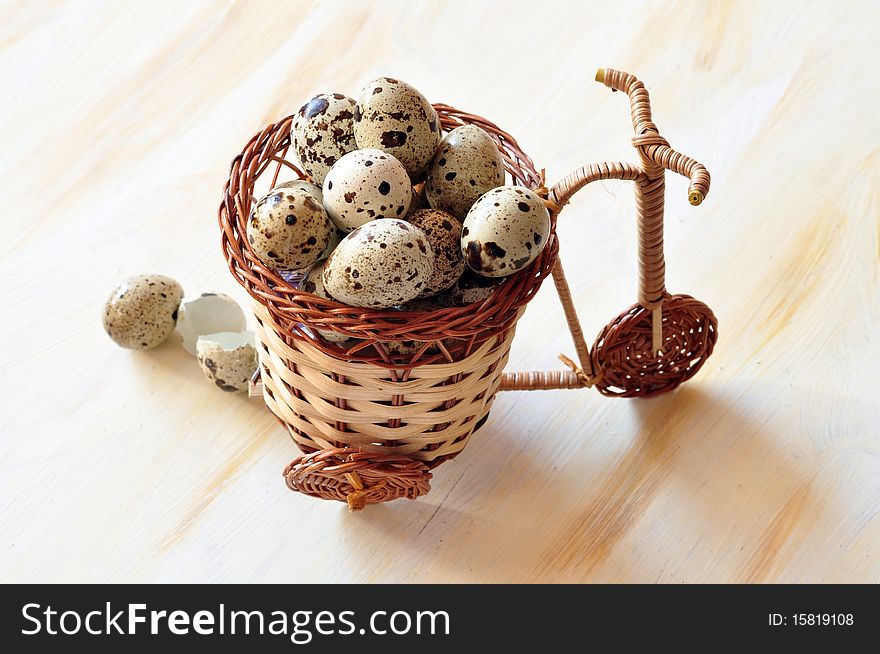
714, 465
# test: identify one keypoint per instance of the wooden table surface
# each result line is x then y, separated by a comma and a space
119, 120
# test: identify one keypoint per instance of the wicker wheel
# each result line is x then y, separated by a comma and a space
358, 478
624, 353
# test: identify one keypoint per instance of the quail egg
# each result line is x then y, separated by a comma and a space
394, 117
313, 282
381, 264
504, 231
288, 229
228, 359
422, 304
366, 185
336, 235
466, 165
141, 311
209, 313
322, 132
444, 234
471, 288
314, 189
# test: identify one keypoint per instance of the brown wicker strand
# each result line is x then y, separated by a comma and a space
358, 478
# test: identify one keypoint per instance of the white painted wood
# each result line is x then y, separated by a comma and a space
118, 124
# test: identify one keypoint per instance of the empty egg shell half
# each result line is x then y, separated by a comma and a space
466, 165
505, 231
379, 265
209, 313
142, 310
323, 132
366, 185
228, 359
288, 229
394, 117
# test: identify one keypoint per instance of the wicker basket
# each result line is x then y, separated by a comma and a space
372, 425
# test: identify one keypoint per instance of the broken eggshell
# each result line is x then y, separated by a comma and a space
228, 359
209, 313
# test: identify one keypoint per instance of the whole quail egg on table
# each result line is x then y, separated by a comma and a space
141, 312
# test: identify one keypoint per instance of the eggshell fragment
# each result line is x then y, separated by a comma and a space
209, 313
228, 359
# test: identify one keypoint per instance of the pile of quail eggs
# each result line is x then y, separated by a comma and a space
395, 214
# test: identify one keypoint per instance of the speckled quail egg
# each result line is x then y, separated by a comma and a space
208, 313
142, 310
422, 304
228, 359
504, 231
432, 303
471, 288
394, 117
466, 165
313, 282
366, 185
404, 348
336, 235
381, 264
322, 132
314, 189
288, 229
444, 234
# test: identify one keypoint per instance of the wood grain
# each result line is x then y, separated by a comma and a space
119, 122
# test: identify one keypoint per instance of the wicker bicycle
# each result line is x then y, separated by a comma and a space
372, 424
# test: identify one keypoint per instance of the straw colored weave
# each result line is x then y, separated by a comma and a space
424, 412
